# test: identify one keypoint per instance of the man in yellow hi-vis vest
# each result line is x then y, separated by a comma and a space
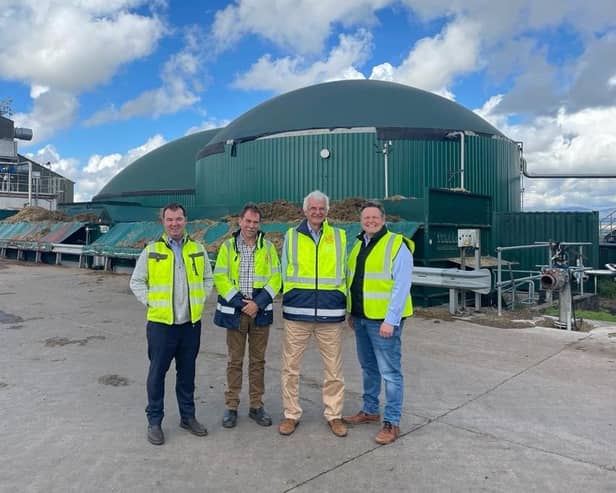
379, 277
172, 278
247, 278
313, 303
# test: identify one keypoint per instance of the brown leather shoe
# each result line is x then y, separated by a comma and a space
338, 427
361, 418
287, 426
388, 434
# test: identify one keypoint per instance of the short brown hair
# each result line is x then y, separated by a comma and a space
372, 203
250, 206
173, 206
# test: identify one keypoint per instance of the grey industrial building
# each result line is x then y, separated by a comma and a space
23, 181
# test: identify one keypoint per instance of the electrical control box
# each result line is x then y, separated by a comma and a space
469, 238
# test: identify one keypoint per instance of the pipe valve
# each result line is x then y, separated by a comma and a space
554, 279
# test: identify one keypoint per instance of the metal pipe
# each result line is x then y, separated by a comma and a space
386, 171
29, 183
520, 247
527, 278
460, 134
500, 289
462, 160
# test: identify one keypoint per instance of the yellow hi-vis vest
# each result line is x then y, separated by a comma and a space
378, 275
160, 279
313, 268
266, 269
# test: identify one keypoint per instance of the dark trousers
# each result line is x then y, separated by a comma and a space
166, 342
236, 347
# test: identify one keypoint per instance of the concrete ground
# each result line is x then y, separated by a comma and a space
486, 409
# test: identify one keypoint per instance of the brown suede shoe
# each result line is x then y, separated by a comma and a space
338, 427
287, 426
361, 418
388, 434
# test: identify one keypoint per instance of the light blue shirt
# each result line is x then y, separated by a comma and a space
176, 246
316, 235
403, 279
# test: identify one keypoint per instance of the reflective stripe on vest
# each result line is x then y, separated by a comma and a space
161, 277
302, 271
266, 270
310, 312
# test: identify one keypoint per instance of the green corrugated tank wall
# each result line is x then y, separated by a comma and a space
288, 167
526, 228
607, 254
164, 175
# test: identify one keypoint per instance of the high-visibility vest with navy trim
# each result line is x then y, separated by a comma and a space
378, 279
314, 284
267, 277
161, 262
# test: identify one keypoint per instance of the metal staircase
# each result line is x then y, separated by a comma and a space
607, 227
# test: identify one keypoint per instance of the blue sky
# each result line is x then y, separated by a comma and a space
102, 82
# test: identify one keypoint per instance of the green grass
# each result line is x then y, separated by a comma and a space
607, 288
586, 314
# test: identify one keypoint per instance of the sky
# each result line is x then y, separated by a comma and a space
103, 82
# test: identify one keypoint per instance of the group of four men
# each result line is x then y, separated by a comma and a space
321, 289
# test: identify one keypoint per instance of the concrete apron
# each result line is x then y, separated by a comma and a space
485, 408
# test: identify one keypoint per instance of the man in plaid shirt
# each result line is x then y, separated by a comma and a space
247, 277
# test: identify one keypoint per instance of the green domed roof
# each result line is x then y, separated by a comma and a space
170, 167
353, 103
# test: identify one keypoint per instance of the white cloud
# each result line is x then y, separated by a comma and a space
569, 142
52, 110
67, 167
501, 20
209, 124
52, 43
284, 74
62, 48
298, 25
99, 169
434, 63
179, 89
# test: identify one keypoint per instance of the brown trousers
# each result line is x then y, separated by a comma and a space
297, 335
236, 346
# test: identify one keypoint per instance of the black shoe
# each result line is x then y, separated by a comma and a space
192, 425
156, 435
260, 416
229, 419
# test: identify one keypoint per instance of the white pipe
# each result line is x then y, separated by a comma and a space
386, 178
462, 160
460, 134
29, 183
386, 166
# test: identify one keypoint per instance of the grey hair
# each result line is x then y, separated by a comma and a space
316, 195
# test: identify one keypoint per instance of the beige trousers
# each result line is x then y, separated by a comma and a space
329, 339
236, 347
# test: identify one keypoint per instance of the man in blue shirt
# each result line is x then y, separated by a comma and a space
379, 278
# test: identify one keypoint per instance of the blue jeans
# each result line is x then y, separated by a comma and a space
380, 357
166, 342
